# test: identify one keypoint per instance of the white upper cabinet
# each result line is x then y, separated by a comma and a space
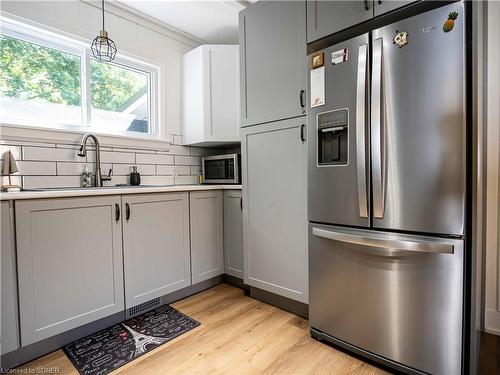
210, 98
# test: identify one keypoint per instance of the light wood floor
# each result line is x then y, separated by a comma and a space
237, 335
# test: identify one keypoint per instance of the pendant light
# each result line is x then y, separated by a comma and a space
103, 48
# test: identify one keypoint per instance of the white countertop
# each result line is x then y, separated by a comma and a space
112, 190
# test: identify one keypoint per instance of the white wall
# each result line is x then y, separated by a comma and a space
133, 35
492, 193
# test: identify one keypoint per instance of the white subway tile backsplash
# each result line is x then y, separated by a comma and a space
71, 146
154, 159
182, 170
187, 160
15, 150
24, 143
14, 180
165, 170
195, 170
76, 169
157, 180
50, 154
132, 150
117, 180
45, 165
126, 169
31, 182
173, 170
37, 168
198, 151
186, 180
180, 150
113, 157
177, 139
203, 151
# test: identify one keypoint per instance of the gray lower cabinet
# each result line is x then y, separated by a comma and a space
272, 61
70, 254
275, 208
328, 17
206, 214
10, 325
155, 245
233, 233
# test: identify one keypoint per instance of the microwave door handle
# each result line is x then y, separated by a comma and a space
377, 132
361, 129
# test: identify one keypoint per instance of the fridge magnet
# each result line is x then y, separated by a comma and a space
340, 56
449, 24
318, 87
400, 39
317, 60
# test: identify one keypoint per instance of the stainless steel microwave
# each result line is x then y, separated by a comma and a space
221, 169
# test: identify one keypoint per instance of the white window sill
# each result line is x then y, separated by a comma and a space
13, 132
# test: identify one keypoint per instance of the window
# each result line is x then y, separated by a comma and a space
119, 98
55, 82
39, 83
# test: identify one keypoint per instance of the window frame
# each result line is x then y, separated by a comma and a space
44, 38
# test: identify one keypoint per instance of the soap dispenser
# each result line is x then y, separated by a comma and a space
135, 177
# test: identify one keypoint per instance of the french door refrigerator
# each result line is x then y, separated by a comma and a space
387, 192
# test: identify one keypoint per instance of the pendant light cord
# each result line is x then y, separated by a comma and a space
103, 15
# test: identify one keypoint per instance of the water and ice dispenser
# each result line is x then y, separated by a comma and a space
333, 137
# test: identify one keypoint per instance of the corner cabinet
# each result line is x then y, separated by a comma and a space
10, 324
155, 245
275, 208
71, 254
206, 214
272, 61
210, 97
233, 233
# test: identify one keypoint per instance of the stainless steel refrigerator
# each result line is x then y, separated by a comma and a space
387, 192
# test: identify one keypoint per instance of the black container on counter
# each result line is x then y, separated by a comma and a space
135, 177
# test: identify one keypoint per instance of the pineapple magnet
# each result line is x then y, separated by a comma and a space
449, 24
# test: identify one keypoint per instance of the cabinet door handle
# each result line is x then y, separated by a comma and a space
302, 133
241, 203
117, 212
301, 98
366, 5
127, 211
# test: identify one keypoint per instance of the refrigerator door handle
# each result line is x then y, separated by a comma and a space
391, 244
377, 132
361, 129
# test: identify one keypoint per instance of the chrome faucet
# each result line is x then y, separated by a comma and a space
98, 177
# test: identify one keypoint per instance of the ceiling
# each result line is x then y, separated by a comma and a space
210, 21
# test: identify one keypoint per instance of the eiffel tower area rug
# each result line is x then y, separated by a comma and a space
111, 348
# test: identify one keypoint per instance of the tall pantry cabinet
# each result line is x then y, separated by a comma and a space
274, 148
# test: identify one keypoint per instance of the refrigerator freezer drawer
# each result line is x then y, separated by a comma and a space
396, 296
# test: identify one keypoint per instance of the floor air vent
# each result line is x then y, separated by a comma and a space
143, 307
